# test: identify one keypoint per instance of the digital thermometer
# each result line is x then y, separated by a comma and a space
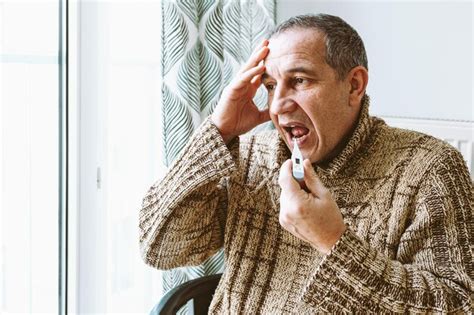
297, 159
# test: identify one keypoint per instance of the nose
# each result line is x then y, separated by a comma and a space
281, 102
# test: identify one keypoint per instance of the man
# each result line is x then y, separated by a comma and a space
382, 223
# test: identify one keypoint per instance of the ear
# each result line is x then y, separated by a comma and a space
358, 79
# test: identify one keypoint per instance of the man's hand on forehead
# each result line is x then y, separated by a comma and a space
236, 113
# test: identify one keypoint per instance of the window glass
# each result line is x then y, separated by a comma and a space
29, 131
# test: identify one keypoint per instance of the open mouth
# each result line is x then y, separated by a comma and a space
298, 132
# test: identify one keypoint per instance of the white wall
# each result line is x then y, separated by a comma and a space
420, 53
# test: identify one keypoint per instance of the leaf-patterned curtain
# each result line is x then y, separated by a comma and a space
204, 43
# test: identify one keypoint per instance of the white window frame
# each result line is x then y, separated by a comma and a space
87, 157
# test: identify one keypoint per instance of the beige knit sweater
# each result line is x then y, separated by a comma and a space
406, 198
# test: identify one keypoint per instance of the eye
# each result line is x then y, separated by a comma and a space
270, 86
299, 80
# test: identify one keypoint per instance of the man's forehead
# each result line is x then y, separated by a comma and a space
301, 45
282, 58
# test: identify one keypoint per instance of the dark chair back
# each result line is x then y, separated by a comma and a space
199, 290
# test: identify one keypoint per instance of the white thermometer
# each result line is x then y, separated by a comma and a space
297, 159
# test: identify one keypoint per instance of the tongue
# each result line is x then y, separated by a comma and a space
299, 131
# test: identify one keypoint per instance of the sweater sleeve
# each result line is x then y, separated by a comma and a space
433, 271
182, 217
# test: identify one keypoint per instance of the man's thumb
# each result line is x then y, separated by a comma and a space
312, 180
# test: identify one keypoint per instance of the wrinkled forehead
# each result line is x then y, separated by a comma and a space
296, 46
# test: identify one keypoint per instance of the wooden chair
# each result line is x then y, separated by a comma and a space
199, 290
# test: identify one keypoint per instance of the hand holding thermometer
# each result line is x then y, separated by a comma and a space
297, 159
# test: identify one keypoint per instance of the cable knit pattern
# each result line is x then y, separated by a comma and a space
406, 198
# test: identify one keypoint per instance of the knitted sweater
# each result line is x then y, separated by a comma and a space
406, 198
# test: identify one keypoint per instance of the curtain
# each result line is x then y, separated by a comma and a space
204, 42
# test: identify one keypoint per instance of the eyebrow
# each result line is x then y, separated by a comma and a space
300, 69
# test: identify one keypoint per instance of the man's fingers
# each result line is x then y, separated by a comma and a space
286, 180
313, 183
256, 81
257, 56
255, 59
247, 76
263, 43
258, 48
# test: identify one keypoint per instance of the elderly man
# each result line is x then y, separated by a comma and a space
383, 221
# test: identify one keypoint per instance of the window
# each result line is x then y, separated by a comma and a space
114, 145
29, 150
117, 84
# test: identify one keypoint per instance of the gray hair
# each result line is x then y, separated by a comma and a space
344, 47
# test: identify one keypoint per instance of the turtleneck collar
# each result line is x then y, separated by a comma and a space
356, 141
